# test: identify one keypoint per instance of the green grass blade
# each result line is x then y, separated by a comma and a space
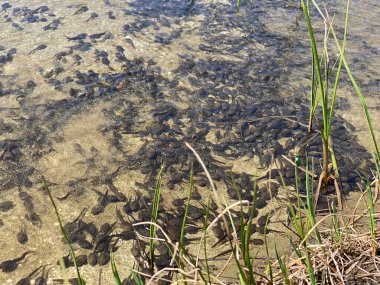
321, 84
337, 76
310, 203
247, 236
156, 203
205, 238
359, 93
306, 261
282, 264
137, 278
241, 272
80, 280
298, 194
63, 271
114, 270
182, 236
295, 218
238, 5
371, 214
313, 95
296, 221
269, 266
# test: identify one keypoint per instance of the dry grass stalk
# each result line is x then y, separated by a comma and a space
350, 262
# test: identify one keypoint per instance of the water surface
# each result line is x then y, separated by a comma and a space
92, 101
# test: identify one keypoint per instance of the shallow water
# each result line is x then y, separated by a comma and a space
234, 86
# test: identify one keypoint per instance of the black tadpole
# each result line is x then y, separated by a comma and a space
5, 6
120, 49
43, 278
114, 190
53, 25
97, 36
81, 10
129, 41
107, 62
81, 36
22, 236
12, 264
40, 47
93, 16
27, 279
102, 203
124, 224
110, 15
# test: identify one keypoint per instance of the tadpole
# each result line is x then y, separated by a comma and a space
43, 278
40, 47
73, 226
12, 264
93, 16
113, 189
22, 236
124, 224
27, 279
102, 203
81, 10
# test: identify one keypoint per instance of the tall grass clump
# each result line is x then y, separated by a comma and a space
320, 95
